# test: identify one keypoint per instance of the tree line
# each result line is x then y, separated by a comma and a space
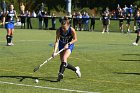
60, 5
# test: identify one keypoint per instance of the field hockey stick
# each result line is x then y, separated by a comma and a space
37, 68
7, 23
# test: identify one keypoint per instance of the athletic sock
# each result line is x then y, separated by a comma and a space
69, 66
137, 39
11, 39
62, 67
8, 38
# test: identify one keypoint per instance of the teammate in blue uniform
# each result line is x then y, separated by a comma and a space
65, 38
8, 21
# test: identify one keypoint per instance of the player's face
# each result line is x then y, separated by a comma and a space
65, 27
11, 7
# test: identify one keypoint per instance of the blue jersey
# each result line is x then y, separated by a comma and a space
10, 16
65, 37
10, 19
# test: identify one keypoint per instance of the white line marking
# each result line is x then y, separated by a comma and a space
29, 41
43, 87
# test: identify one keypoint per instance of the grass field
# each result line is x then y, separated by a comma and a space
108, 62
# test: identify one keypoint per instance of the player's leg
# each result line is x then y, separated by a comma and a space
64, 56
134, 28
90, 26
103, 29
62, 66
128, 27
107, 28
11, 36
8, 36
121, 26
137, 39
93, 26
69, 66
64, 59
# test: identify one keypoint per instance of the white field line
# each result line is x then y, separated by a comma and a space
43, 87
31, 40
28, 41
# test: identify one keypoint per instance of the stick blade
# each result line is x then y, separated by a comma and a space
37, 68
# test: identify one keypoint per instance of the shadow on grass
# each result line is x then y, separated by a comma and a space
131, 54
129, 60
117, 44
126, 73
21, 78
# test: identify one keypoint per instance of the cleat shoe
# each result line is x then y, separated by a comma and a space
78, 71
60, 76
135, 44
10, 44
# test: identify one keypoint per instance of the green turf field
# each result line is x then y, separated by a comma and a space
108, 62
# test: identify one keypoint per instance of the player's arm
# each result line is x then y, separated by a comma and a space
56, 42
16, 16
4, 17
74, 36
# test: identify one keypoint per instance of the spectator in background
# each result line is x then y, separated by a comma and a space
33, 14
85, 21
4, 6
46, 19
118, 11
42, 7
79, 21
29, 24
22, 15
135, 11
74, 20
40, 17
128, 20
125, 9
106, 22
53, 21
22, 7
92, 23
130, 10
121, 19
22, 19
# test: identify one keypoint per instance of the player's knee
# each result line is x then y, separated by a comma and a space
64, 64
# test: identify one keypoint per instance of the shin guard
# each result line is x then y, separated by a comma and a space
62, 67
137, 39
69, 66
